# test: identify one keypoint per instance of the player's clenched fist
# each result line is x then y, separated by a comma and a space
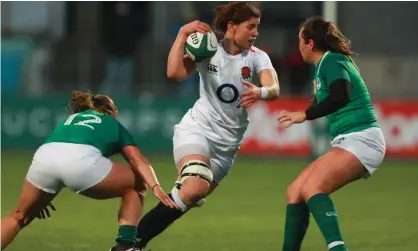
195, 26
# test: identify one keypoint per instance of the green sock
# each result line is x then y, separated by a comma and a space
126, 235
297, 222
326, 217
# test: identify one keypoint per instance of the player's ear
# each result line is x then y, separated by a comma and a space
231, 27
116, 113
311, 44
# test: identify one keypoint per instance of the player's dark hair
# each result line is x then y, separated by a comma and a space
326, 36
235, 12
82, 101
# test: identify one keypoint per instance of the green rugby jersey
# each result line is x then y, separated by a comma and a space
358, 114
93, 128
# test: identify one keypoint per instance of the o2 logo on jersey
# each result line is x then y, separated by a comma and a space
223, 91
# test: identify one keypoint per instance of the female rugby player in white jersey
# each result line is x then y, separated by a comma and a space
209, 135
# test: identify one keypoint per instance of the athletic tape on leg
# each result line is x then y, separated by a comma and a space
176, 199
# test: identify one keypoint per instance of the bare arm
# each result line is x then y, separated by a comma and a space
140, 165
270, 89
142, 168
179, 66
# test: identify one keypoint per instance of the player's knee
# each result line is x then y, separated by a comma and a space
193, 190
195, 180
197, 176
310, 189
293, 194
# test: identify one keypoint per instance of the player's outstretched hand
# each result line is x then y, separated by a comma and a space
252, 94
291, 118
44, 213
195, 26
163, 197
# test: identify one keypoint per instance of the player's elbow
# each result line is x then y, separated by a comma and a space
273, 92
340, 102
345, 101
173, 74
276, 91
170, 73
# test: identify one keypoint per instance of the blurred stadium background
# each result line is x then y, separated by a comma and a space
120, 49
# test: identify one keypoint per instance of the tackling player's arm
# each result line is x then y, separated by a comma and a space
270, 89
339, 96
338, 79
135, 159
179, 66
141, 166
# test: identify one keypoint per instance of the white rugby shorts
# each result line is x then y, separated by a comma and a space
57, 165
368, 146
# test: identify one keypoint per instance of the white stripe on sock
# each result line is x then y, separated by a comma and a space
176, 199
335, 243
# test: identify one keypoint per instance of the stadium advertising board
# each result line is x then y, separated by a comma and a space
398, 120
26, 123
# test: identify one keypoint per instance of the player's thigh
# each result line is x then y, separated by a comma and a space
353, 156
32, 199
118, 181
293, 192
189, 145
222, 160
334, 170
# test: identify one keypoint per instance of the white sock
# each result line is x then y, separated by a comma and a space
176, 199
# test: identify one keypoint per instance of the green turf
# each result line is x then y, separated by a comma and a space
246, 213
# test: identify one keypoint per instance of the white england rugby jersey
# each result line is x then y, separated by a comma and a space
217, 111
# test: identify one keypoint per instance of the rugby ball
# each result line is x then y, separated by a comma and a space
200, 47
